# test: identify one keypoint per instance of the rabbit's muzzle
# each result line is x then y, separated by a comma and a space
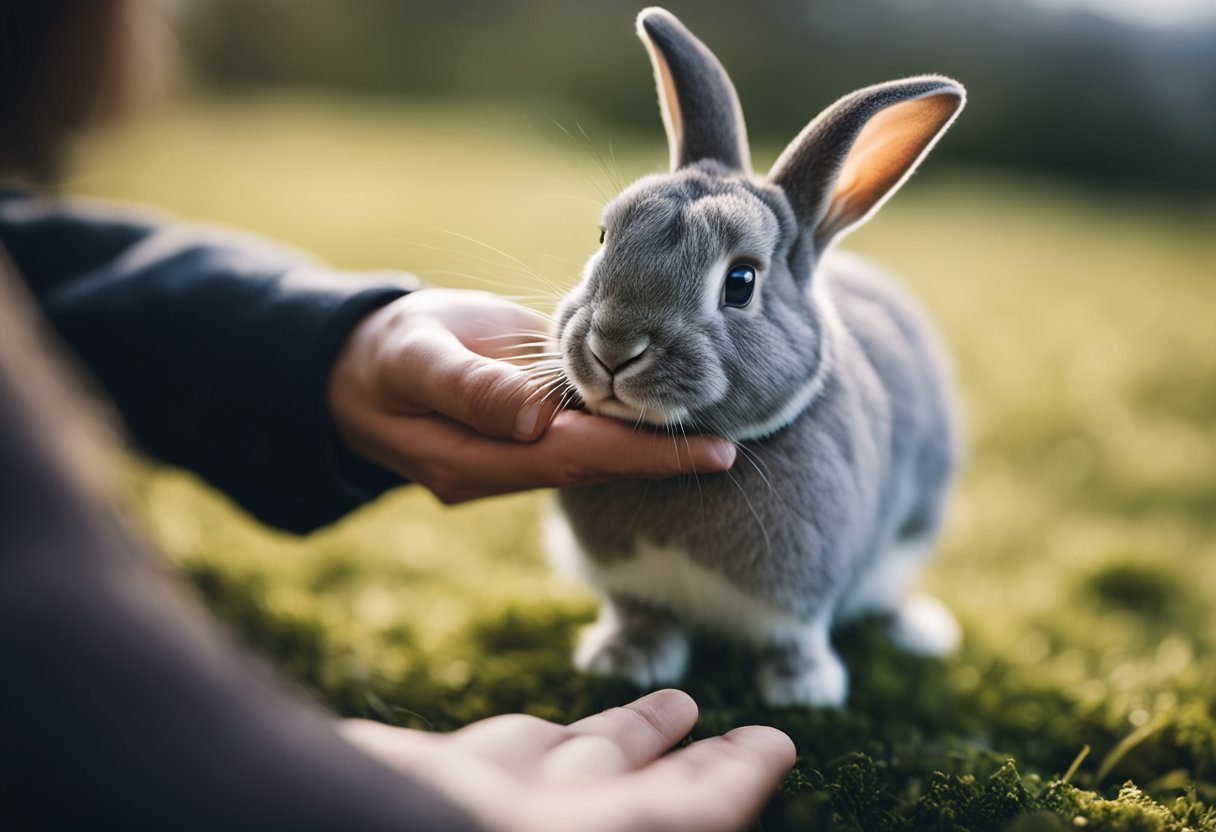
615, 355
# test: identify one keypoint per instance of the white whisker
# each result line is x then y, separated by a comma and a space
511, 258
519, 334
603, 197
695, 476
768, 544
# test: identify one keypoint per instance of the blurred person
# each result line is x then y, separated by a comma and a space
302, 392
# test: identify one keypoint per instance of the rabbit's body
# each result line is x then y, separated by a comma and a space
818, 521
717, 306
807, 511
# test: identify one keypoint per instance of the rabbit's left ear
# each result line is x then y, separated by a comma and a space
857, 153
700, 108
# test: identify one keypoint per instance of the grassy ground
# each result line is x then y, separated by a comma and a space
1081, 549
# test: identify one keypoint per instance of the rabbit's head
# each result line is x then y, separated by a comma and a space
699, 308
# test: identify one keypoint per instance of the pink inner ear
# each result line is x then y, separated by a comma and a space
669, 104
885, 151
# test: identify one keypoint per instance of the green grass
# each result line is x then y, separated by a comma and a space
1080, 553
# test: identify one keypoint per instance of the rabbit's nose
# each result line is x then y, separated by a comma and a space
613, 354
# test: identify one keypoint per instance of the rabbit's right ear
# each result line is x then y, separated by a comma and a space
700, 108
856, 153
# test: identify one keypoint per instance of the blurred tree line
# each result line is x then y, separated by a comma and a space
1070, 94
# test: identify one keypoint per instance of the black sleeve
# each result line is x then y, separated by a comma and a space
122, 708
214, 346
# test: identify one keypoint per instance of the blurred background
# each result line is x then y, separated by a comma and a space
1112, 91
1063, 235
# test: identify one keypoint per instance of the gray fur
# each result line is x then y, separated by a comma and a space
708, 107
869, 459
812, 505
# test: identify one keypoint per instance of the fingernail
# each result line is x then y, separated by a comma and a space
723, 453
526, 420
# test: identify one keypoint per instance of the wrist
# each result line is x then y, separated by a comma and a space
352, 393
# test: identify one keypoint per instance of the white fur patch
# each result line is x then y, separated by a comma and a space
605, 649
619, 408
883, 586
924, 626
824, 684
825, 687
667, 577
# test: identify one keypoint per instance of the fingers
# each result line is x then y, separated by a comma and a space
578, 449
758, 752
493, 397
622, 739
715, 784
458, 464
506, 764
619, 739
581, 448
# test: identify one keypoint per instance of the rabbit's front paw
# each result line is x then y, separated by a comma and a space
924, 626
650, 656
809, 674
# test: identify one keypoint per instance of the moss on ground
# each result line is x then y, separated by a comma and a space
1080, 554
921, 746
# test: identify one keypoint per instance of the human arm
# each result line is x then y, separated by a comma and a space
215, 347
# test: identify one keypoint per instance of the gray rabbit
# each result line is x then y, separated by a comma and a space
717, 305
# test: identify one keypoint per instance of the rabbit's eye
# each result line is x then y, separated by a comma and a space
602, 234
740, 283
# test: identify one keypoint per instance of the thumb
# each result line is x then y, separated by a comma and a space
491, 396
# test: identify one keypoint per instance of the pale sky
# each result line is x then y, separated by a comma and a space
1160, 12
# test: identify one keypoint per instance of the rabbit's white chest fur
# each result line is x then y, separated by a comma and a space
668, 578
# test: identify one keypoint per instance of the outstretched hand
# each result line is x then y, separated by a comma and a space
425, 387
606, 772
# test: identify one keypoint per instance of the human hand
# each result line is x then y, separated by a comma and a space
603, 773
425, 387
